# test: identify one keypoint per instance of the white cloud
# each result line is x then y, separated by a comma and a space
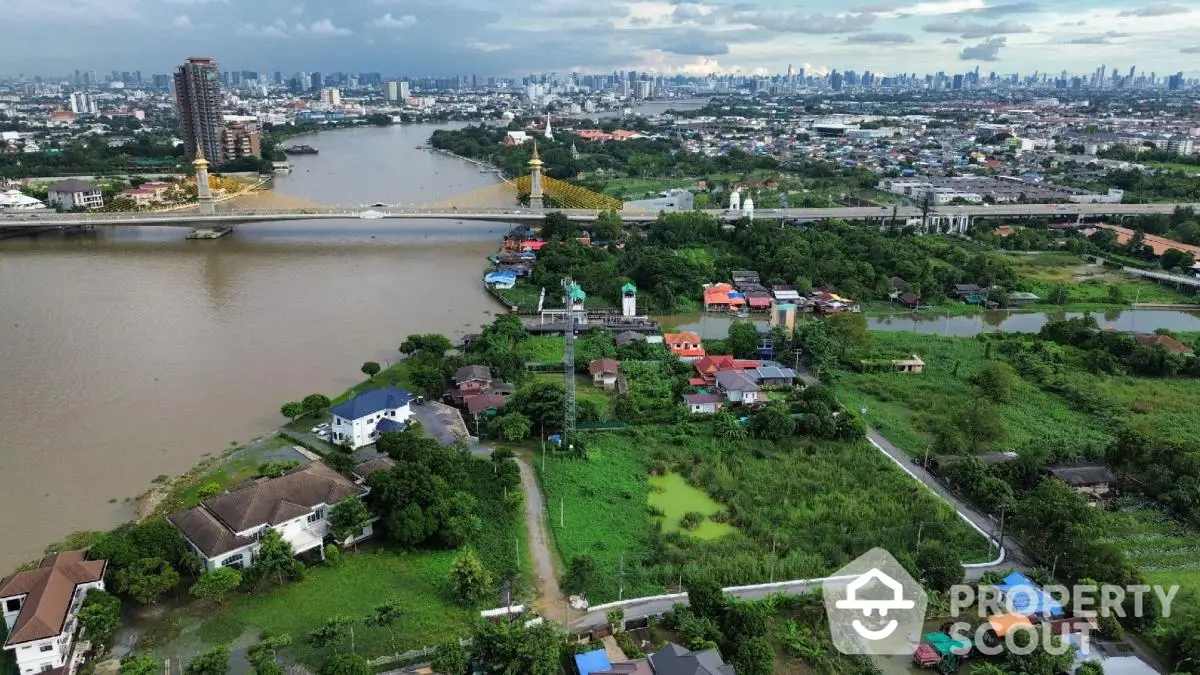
195, 2
181, 21
1157, 9
298, 9
936, 7
480, 46
389, 21
274, 30
323, 28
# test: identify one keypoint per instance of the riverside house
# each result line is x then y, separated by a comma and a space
40, 606
225, 530
363, 418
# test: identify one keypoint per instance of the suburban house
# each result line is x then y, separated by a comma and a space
910, 365
472, 379
485, 403
722, 297
672, 660
1165, 341
224, 530
1093, 481
703, 404
74, 194
709, 366
685, 344
971, 294
604, 372
363, 418
911, 300
771, 376
738, 387
40, 606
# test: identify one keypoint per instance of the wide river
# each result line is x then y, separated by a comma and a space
130, 353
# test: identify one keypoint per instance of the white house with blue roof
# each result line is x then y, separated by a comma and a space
363, 418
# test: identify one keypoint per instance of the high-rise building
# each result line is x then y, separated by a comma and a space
393, 91
82, 104
198, 101
331, 96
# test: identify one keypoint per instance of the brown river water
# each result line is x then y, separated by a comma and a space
130, 353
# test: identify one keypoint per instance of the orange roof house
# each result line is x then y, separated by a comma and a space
717, 296
684, 344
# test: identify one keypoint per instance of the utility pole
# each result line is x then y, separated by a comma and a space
569, 289
543, 424
920, 528
1002, 509
562, 511
621, 578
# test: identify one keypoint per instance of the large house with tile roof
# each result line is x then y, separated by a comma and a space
362, 419
225, 530
39, 608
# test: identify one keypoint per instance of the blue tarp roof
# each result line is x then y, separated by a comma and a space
590, 662
371, 402
500, 274
1028, 599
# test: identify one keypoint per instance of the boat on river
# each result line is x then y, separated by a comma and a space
300, 150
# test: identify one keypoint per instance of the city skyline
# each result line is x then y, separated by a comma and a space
505, 38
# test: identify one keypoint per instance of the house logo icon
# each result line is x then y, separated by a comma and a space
874, 606
868, 606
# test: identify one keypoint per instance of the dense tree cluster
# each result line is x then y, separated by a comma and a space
421, 501
639, 157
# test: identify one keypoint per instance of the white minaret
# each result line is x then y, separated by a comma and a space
748, 207
629, 300
203, 192
735, 200
549, 133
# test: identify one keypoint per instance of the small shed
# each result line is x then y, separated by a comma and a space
1093, 481
1021, 299
911, 300
910, 365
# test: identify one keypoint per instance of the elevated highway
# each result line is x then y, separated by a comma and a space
25, 219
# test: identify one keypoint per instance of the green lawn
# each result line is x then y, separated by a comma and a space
818, 505
525, 295
544, 349
232, 468
417, 581
674, 497
1087, 283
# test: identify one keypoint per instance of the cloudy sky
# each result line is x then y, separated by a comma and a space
513, 37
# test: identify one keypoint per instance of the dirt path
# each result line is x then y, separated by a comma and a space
550, 603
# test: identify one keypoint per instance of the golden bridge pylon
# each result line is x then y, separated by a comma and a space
512, 194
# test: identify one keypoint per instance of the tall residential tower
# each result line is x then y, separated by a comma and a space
198, 101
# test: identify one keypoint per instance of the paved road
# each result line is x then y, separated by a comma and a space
192, 218
551, 603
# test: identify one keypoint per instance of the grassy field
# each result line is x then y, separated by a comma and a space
524, 295
817, 505
1175, 166
639, 188
674, 497
1168, 551
908, 408
232, 468
1088, 283
417, 581
584, 391
544, 349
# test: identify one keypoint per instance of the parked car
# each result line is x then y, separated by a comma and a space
323, 426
